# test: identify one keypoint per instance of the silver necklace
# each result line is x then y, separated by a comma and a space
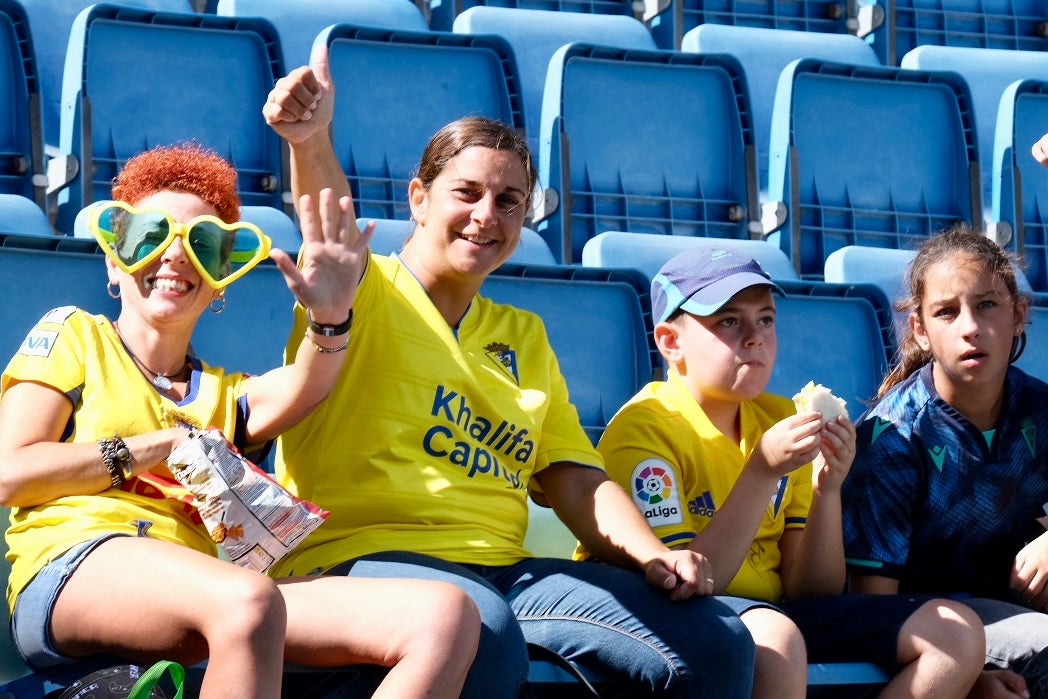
161, 381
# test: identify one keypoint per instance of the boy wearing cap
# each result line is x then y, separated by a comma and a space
718, 465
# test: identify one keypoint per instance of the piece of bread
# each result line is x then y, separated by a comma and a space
819, 398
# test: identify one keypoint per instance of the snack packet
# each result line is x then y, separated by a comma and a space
817, 397
251, 516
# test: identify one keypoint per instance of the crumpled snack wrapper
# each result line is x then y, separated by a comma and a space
253, 518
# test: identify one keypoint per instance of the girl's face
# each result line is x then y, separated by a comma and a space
728, 356
170, 287
968, 321
469, 219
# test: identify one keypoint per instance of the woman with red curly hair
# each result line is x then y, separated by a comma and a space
109, 554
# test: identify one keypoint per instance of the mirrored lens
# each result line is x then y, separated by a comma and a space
212, 245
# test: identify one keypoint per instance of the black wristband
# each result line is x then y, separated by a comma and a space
330, 330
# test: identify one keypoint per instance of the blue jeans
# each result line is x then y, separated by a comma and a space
1016, 639
605, 620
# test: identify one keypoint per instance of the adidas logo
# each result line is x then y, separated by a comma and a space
703, 505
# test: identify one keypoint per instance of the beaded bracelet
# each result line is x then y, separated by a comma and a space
327, 350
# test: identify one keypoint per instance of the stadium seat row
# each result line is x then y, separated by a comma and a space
629, 138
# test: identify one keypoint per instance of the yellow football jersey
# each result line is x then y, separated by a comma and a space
81, 355
678, 468
430, 437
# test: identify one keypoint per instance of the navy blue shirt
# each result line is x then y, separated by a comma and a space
930, 502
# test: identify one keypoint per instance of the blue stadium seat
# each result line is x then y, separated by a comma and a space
988, 72
1034, 359
586, 310
536, 34
676, 157
22, 166
280, 227
442, 13
299, 22
22, 216
897, 162
196, 77
647, 252
1020, 183
391, 234
824, 16
763, 54
993, 24
839, 335
51, 22
396, 88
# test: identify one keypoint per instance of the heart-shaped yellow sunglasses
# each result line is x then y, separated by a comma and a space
222, 252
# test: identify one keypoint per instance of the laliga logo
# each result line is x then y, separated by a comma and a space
653, 485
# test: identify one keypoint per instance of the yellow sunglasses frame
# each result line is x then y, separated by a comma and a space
107, 239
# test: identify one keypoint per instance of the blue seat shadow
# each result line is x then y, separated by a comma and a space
447, 75
678, 157
299, 22
22, 165
647, 252
198, 77
897, 162
1020, 188
763, 53
536, 34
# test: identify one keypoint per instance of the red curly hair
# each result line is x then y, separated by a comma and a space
186, 167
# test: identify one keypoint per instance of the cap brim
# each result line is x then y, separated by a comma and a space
711, 299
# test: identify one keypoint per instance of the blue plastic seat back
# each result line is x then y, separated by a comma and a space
444, 12
646, 142
299, 22
396, 89
834, 334
588, 313
22, 216
988, 72
51, 22
825, 16
994, 24
897, 162
1020, 194
280, 227
647, 252
763, 54
137, 79
1034, 359
21, 136
536, 34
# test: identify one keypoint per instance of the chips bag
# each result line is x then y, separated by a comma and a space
254, 519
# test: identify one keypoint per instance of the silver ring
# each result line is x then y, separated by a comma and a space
709, 580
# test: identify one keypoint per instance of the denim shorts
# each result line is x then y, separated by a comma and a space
31, 620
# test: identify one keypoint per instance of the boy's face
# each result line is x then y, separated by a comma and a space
729, 355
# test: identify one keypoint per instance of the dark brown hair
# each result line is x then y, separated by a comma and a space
467, 132
958, 240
